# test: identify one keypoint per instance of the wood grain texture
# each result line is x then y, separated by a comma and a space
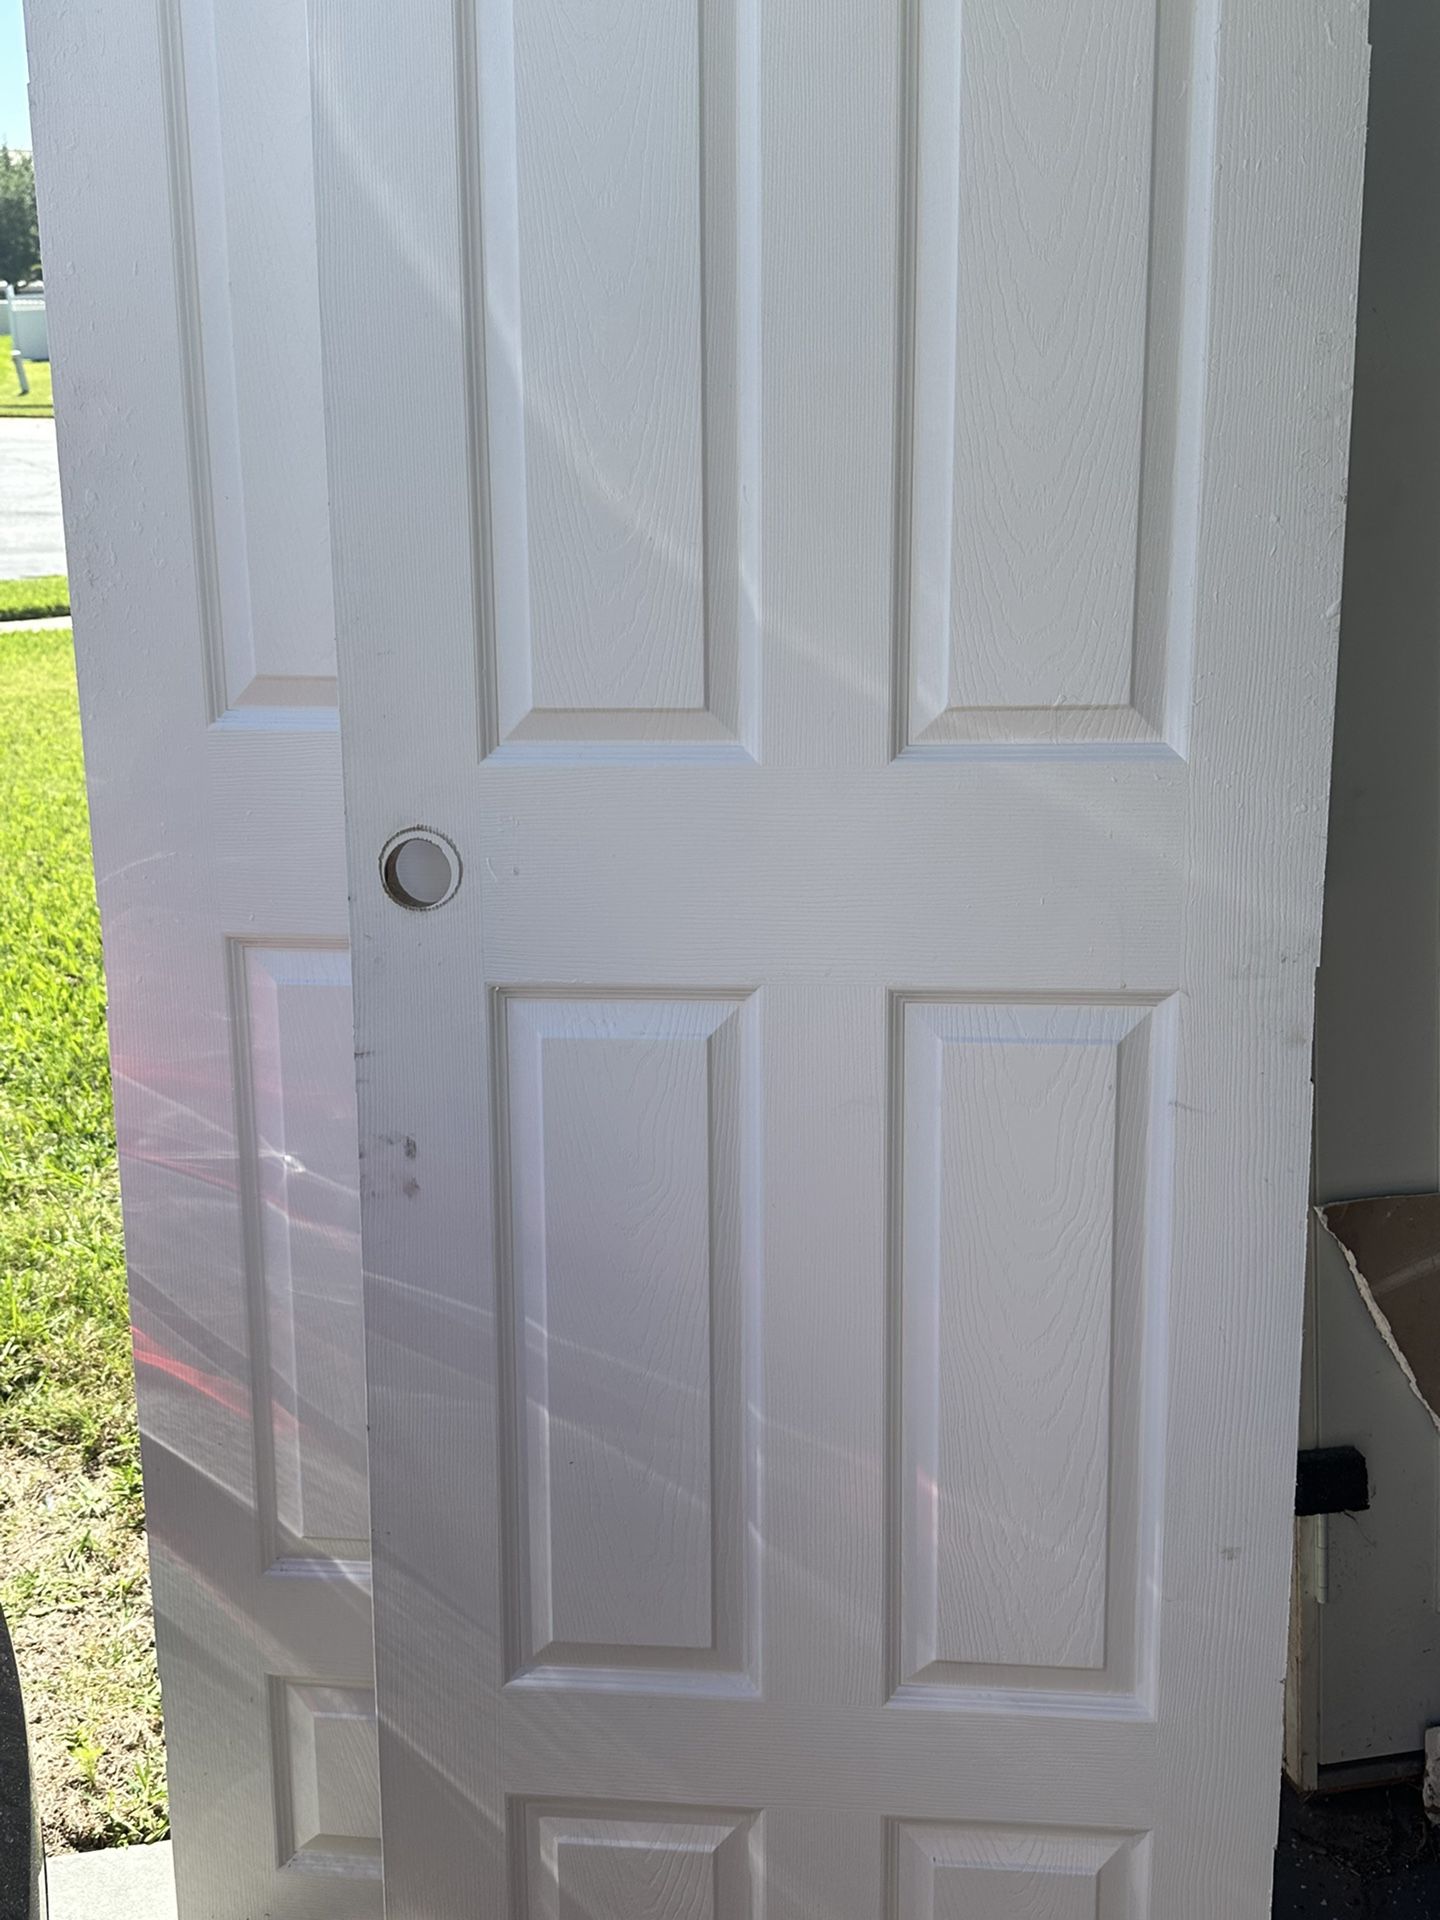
1029, 1278
626, 1159
840, 869
1289, 105
637, 1863
626, 1260
830, 879
618, 348
1009, 1231
1033, 165
252, 324
980, 1873
1058, 252
298, 1140
328, 1770
218, 833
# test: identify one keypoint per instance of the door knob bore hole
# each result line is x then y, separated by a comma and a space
419, 869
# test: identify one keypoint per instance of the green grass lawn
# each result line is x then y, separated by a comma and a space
72, 1558
14, 404
47, 593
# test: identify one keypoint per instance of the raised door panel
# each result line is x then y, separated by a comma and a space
250, 335
301, 1186
617, 283
1047, 478
638, 1863
1032, 1160
328, 1778
629, 1266
1015, 1873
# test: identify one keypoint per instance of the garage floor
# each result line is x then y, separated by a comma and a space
1357, 1856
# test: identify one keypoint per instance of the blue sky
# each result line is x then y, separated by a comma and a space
14, 107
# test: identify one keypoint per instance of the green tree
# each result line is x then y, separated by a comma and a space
19, 228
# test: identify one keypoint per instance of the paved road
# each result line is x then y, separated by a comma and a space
32, 538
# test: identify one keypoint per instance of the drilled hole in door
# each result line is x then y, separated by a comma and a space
420, 870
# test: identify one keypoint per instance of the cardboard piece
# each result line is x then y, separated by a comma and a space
1392, 1248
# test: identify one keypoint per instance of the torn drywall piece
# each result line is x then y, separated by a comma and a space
1392, 1248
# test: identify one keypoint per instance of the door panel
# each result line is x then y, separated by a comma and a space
1034, 1151
629, 1296
238, 96
1051, 374
1028, 184
299, 1152
987, 1873
834, 1167
618, 167
175, 163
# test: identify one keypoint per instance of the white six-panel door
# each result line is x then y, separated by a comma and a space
174, 160
845, 553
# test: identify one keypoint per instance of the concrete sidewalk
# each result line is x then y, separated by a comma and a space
122, 1883
32, 534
